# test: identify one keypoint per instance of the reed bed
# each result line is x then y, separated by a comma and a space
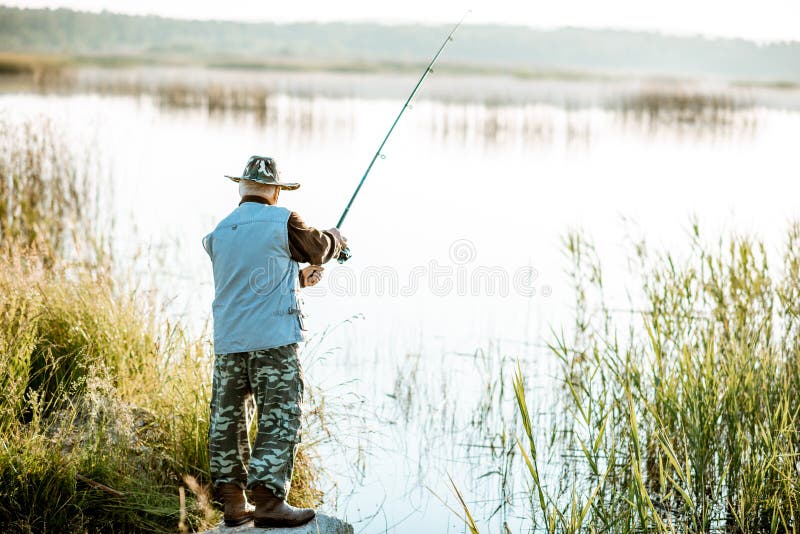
174, 92
685, 417
689, 111
38, 68
45, 202
682, 416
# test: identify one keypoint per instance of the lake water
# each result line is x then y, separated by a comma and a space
458, 268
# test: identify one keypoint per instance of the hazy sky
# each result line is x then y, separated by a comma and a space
753, 19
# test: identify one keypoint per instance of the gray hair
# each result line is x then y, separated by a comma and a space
249, 187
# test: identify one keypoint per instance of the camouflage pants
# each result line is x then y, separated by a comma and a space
273, 379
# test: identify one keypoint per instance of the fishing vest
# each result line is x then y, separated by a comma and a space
256, 303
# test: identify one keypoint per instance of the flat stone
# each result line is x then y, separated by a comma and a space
322, 524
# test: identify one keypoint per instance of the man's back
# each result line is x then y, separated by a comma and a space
255, 280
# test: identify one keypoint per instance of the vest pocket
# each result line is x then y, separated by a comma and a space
297, 310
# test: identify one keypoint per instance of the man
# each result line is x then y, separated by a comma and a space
258, 323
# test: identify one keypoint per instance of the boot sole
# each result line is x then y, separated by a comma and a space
237, 522
267, 523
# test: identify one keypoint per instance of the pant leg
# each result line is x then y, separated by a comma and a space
231, 413
276, 380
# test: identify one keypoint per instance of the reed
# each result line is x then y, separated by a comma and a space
685, 415
45, 200
682, 416
39, 68
689, 111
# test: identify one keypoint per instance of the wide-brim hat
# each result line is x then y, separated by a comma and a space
263, 170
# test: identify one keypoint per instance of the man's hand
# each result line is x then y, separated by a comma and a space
311, 275
339, 237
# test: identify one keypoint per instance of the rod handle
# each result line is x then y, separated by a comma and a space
344, 255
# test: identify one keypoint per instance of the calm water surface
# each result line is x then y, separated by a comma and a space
458, 266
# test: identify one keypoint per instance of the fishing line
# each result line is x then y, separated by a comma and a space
345, 254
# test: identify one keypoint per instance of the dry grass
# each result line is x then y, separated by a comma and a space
45, 203
40, 68
103, 410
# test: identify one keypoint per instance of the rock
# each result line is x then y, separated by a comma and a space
322, 524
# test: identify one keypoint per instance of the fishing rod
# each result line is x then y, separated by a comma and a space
344, 254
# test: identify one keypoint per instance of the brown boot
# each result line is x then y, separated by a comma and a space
237, 510
272, 511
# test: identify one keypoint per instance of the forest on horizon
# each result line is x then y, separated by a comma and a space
151, 39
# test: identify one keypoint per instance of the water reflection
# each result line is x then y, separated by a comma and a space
459, 409
499, 124
534, 112
689, 114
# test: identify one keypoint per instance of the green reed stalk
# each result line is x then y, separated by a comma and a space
686, 412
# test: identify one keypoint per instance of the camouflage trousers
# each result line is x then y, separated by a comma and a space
270, 380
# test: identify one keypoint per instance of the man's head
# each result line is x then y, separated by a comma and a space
265, 191
261, 177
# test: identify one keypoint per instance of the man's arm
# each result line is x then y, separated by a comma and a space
309, 245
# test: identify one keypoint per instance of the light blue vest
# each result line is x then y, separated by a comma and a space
256, 305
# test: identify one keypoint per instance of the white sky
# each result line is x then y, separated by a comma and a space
764, 20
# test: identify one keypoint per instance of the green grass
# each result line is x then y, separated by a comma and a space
95, 392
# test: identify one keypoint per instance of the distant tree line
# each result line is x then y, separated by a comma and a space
514, 47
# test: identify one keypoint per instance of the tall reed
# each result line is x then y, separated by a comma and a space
686, 415
683, 414
45, 197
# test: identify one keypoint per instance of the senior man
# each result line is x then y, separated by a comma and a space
258, 323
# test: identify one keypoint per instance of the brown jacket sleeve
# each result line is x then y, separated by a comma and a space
309, 245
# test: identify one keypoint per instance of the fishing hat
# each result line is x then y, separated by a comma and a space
262, 169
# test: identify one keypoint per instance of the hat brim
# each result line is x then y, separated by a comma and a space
289, 186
